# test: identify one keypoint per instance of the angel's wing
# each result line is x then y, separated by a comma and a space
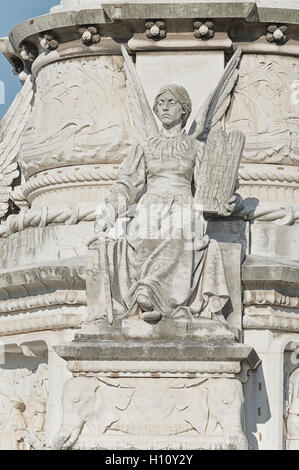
142, 114
214, 108
12, 127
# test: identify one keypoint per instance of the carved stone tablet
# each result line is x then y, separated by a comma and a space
219, 169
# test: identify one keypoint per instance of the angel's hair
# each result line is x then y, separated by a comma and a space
181, 95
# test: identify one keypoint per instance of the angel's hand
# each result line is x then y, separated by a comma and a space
105, 218
228, 208
102, 225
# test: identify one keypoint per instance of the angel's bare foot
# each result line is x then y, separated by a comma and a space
144, 301
152, 317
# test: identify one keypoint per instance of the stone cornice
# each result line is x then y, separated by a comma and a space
63, 317
72, 269
271, 294
43, 297
257, 268
117, 22
139, 11
180, 9
131, 350
62, 19
278, 15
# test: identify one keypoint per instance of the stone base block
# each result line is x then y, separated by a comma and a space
154, 392
152, 405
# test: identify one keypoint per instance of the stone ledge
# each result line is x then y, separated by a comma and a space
132, 350
66, 269
43, 297
179, 9
136, 11
278, 15
61, 318
259, 268
53, 21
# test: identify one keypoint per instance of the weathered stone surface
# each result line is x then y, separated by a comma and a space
173, 380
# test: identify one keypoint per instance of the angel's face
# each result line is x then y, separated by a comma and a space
169, 110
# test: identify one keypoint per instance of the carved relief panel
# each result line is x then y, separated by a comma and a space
264, 108
80, 115
147, 413
23, 400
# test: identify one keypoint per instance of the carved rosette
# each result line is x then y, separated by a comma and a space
277, 34
24, 395
28, 52
48, 41
155, 29
89, 35
203, 29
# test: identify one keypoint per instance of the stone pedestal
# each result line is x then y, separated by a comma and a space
175, 385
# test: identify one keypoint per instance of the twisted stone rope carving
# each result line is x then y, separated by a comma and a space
75, 214
81, 174
266, 173
46, 216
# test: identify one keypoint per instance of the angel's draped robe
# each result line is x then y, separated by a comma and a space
164, 250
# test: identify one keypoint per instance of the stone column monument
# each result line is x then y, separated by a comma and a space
149, 268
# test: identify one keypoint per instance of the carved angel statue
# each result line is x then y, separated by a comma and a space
163, 263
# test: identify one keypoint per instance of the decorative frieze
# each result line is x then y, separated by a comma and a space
31, 302
23, 396
265, 108
193, 408
80, 115
271, 321
42, 298
270, 299
44, 318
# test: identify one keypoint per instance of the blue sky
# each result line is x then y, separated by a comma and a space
13, 13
